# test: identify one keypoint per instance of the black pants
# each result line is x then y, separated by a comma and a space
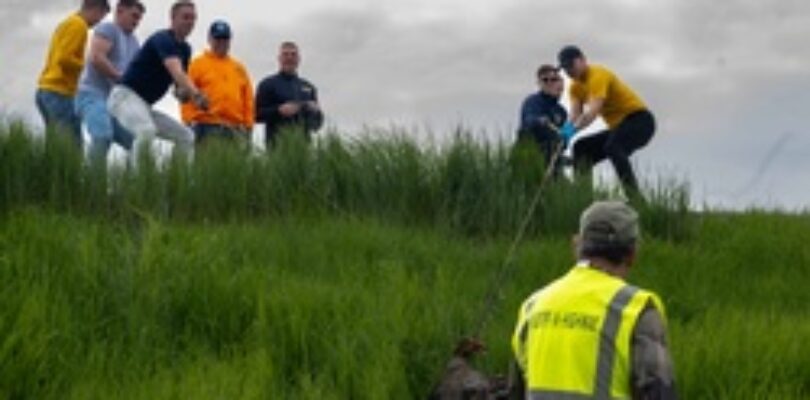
617, 145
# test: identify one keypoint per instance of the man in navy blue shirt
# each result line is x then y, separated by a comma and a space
542, 109
287, 102
162, 61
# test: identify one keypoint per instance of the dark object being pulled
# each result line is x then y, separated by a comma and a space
460, 381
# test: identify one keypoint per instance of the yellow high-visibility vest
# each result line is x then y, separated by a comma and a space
572, 339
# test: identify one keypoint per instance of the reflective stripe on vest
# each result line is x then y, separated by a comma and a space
585, 315
607, 343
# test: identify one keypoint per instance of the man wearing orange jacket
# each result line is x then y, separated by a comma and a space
230, 92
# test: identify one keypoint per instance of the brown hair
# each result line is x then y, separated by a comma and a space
132, 3
181, 4
88, 4
545, 69
288, 44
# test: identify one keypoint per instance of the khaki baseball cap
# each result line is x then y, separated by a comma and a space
609, 223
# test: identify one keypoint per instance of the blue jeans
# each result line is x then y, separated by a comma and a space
57, 111
104, 130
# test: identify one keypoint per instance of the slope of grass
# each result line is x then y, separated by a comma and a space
348, 270
348, 308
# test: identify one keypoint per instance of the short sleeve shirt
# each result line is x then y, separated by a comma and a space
147, 75
124, 47
601, 83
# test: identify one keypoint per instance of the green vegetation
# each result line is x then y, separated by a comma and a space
348, 270
465, 187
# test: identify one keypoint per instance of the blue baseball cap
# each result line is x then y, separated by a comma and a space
220, 30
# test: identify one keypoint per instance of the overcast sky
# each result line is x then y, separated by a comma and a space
729, 81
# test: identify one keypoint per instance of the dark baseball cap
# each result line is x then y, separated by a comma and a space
567, 55
609, 223
220, 30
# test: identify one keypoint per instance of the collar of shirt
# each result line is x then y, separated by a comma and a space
210, 54
548, 98
288, 75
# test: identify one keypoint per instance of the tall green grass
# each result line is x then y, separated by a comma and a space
468, 187
347, 269
340, 308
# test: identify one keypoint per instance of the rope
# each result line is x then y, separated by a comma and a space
506, 269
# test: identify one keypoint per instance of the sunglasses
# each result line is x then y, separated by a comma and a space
549, 79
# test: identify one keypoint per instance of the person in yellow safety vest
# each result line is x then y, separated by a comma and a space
589, 334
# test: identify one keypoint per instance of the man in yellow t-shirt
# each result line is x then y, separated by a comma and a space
597, 91
59, 79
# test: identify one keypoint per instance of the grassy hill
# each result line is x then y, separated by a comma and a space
348, 270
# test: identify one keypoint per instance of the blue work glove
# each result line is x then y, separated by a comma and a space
567, 132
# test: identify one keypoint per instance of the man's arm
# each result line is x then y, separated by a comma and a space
516, 384
530, 114
186, 90
71, 41
267, 103
173, 57
595, 91
652, 376
584, 120
576, 109
315, 114
248, 105
100, 46
188, 111
181, 80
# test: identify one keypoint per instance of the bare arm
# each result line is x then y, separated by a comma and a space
99, 57
576, 110
181, 79
185, 88
187, 110
583, 120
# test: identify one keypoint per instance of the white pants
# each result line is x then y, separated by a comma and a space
145, 123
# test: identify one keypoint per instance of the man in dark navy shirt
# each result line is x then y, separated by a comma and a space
542, 110
285, 101
162, 61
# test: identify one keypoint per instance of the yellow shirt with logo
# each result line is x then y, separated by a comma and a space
602, 83
65, 57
